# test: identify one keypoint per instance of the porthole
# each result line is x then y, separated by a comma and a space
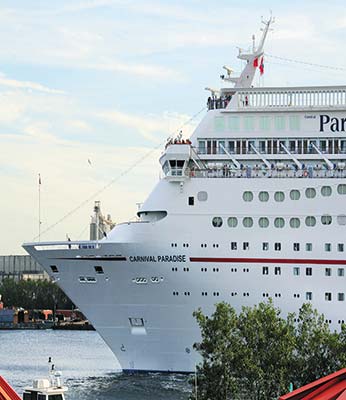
294, 194
232, 222
310, 193
279, 196
326, 219
202, 196
263, 222
294, 223
310, 220
326, 191
263, 196
217, 222
279, 222
342, 188
341, 219
247, 222
247, 196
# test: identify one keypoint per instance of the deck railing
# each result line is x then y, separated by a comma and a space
291, 98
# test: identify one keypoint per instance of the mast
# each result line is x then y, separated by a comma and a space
253, 59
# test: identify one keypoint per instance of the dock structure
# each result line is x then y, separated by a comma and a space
6, 391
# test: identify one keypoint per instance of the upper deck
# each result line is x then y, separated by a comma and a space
279, 99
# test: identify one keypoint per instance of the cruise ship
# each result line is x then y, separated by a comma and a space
251, 207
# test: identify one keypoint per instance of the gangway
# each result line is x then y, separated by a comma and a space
6, 391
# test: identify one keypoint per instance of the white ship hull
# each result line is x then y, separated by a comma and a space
132, 288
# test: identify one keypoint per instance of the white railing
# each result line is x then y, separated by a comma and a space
290, 98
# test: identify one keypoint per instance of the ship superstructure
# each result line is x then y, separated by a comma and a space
252, 207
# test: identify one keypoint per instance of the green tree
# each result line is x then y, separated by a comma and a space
318, 351
32, 295
219, 348
257, 354
268, 343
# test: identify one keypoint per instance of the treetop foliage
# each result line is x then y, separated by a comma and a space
257, 354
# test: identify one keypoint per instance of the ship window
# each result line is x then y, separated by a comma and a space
328, 271
233, 123
327, 247
91, 279
292, 146
326, 191
264, 123
136, 322
82, 279
341, 219
202, 196
294, 194
231, 146
296, 271
326, 219
308, 246
294, 223
308, 295
217, 222
277, 270
279, 222
341, 296
279, 123
265, 246
233, 245
262, 146
342, 188
54, 269
308, 271
328, 296
310, 193
249, 123
294, 122
247, 196
310, 221
219, 124
263, 222
340, 247
232, 222
279, 196
263, 196
247, 222
201, 147
246, 246
265, 270
191, 201
277, 246
296, 246
99, 269
341, 272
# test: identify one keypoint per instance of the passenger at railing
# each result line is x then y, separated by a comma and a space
209, 103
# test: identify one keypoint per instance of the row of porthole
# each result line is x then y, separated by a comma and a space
279, 196
279, 222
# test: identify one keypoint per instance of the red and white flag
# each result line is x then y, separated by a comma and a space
255, 62
261, 67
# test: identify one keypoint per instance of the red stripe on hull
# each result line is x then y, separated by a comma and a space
267, 260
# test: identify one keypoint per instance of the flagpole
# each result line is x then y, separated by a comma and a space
39, 207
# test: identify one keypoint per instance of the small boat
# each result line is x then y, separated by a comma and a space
50, 388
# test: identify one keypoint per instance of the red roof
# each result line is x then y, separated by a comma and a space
331, 387
6, 391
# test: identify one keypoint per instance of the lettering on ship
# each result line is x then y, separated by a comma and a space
161, 258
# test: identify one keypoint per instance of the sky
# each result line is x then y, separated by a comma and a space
91, 89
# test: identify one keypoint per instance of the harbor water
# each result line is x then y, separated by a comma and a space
89, 368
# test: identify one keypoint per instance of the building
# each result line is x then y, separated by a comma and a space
100, 226
20, 267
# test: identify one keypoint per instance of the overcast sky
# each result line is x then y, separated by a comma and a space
109, 80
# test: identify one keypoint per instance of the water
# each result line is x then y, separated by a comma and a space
90, 369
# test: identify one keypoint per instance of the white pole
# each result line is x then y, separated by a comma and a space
39, 207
